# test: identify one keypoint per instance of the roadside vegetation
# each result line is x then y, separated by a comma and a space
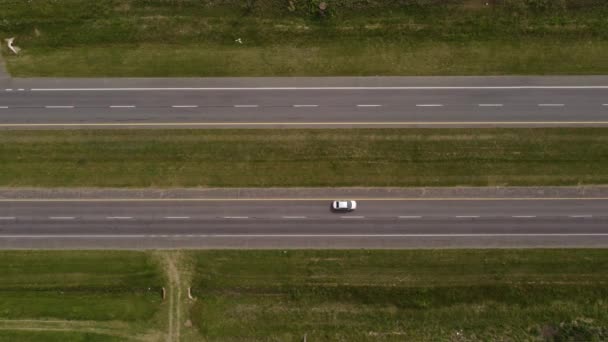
80, 296
307, 158
297, 37
348, 295
440, 295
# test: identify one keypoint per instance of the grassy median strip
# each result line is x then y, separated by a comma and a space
449, 295
289, 38
308, 158
84, 295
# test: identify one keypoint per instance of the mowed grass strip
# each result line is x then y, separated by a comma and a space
83, 285
54, 336
456, 295
308, 158
290, 38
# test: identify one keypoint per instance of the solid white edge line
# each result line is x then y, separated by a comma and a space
318, 88
240, 236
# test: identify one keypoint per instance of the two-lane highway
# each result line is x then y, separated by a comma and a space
308, 222
459, 103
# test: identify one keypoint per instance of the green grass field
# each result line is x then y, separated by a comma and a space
79, 296
290, 38
449, 295
333, 295
308, 158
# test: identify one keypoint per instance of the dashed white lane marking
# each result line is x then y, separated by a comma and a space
119, 217
3, 107
410, 217
605, 105
551, 105
352, 217
490, 105
61, 217
581, 216
8, 89
122, 106
21, 89
369, 105
177, 217
429, 105
305, 105
467, 216
236, 217
59, 107
294, 217
523, 216
184, 106
7, 218
246, 106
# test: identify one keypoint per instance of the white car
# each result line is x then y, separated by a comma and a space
344, 205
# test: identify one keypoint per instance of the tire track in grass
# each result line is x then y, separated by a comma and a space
174, 293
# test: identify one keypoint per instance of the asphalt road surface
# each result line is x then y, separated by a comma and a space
303, 224
320, 102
